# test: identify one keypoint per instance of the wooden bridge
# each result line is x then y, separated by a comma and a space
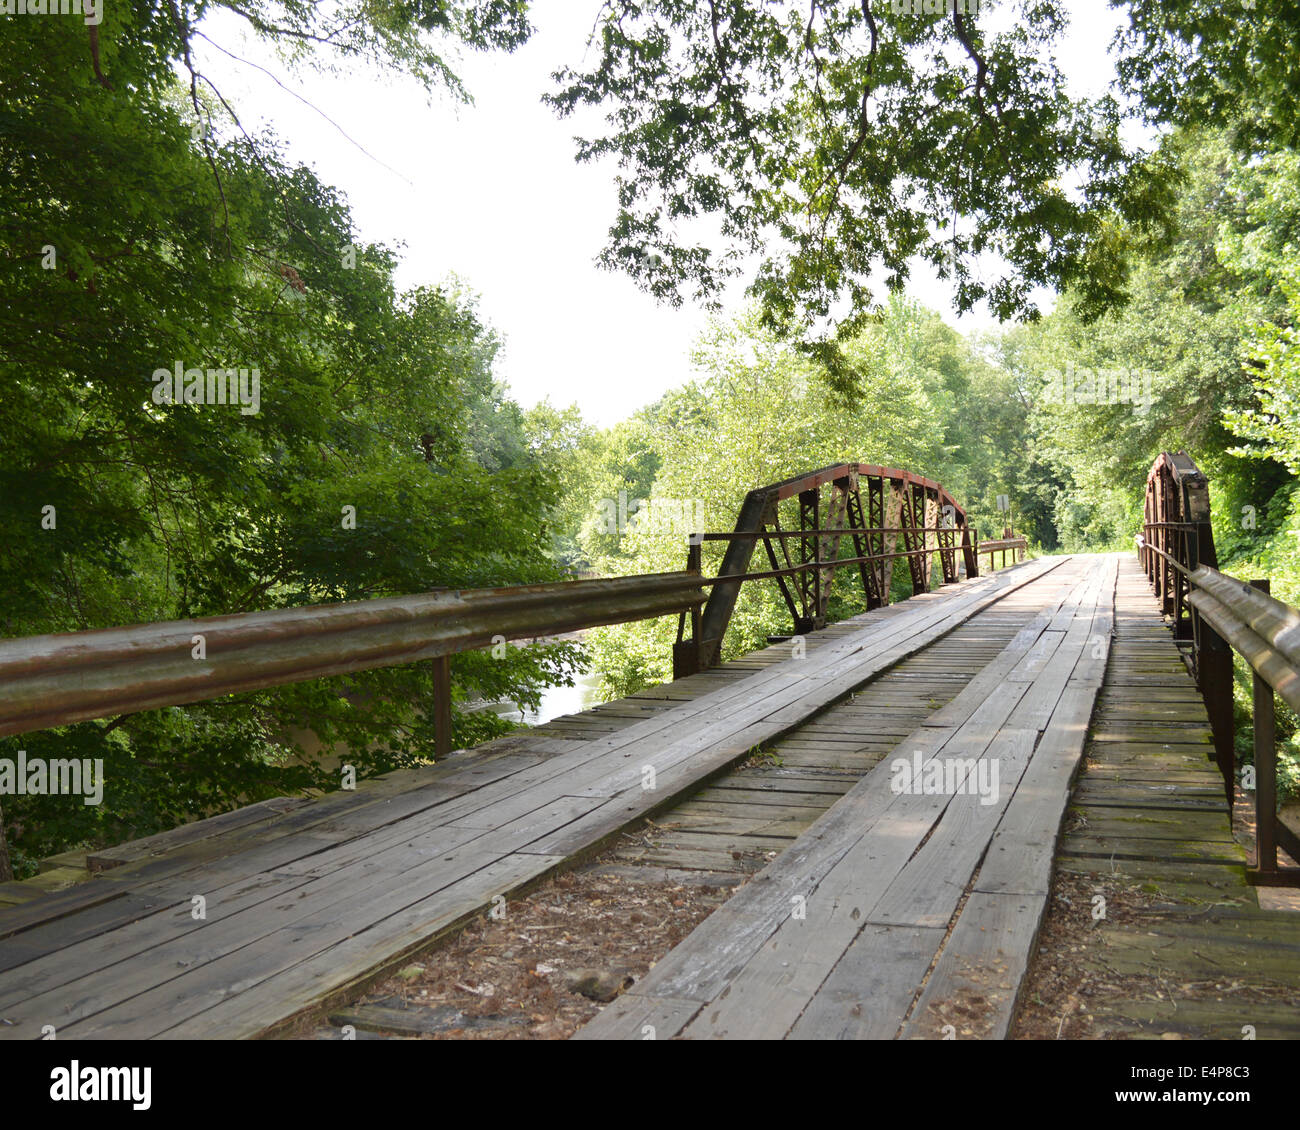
937, 767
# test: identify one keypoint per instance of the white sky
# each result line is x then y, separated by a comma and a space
491, 193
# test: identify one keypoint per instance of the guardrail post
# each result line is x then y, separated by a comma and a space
1265, 770
686, 652
1214, 674
442, 706
810, 574
6, 869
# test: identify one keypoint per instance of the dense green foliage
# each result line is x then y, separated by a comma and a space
816, 148
759, 412
382, 457
819, 150
1164, 373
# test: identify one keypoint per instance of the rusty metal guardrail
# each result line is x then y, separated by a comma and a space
60, 679
1218, 612
55, 680
1017, 547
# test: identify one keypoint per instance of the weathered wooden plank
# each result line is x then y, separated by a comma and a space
1019, 857
695, 859
727, 791
1161, 829
768, 988
51, 907
868, 993
977, 980
927, 890
768, 993
1085, 845
61, 934
1195, 1019
639, 1018
1123, 791
345, 965
108, 858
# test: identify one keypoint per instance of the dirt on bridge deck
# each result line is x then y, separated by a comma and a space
541, 970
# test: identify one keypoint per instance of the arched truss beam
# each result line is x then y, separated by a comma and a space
1176, 521
889, 514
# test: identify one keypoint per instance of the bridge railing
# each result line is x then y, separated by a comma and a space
1218, 614
59, 679
888, 513
1017, 547
687, 655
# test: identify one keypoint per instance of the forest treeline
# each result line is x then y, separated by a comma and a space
145, 231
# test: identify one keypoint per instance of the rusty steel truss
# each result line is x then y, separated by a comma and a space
876, 508
1176, 540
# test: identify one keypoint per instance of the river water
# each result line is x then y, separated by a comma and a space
584, 694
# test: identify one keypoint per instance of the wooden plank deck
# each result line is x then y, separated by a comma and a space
869, 913
747, 815
304, 905
835, 937
911, 927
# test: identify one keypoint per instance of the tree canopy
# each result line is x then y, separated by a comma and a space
820, 150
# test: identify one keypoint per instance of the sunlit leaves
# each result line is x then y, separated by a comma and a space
816, 150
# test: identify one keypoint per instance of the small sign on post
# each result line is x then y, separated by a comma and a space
1004, 507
